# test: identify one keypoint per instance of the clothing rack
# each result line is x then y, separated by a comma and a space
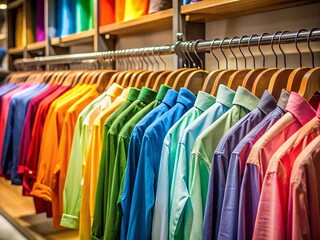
179, 48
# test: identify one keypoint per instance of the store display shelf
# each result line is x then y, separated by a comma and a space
36, 46
210, 10
16, 50
74, 39
149, 23
15, 4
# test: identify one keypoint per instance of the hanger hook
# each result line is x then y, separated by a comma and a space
155, 59
221, 49
239, 46
211, 50
308, 39
259, 47
184, 45
283, 53
148, 57
272, 48
195, 51
190, 44
249, 49
296, 44
234, 55
159, 55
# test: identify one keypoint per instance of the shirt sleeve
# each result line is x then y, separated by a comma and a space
131, 168
143, 197
248, 202
215, 196
298, 226
229, 212
198, 188
179, 193
102, 188
113, 214
271, 215
72, 187
161, 208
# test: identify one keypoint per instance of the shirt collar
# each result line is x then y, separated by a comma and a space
300, 108
318, 111
125, 93
133, 94
225, 95
114, 90
186, 97
147, 95
162, 92
245, 99
283, 100
267, 103
170, 98
204, 101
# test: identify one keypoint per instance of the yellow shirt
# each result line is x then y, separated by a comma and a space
91, 167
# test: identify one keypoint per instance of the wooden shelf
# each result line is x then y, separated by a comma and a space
3, 36
209, 10
74, 39
36, 46
149, 23
16, 50
15, 4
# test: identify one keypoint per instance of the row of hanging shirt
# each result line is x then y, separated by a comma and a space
139, 163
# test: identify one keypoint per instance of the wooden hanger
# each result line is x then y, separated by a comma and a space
262, 81
211, 77
142, 79
280, 79
103, 79
172, 76
250, 77
224, 76
160, 79
310, 83
113, 79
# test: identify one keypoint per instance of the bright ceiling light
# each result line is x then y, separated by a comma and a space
3, 6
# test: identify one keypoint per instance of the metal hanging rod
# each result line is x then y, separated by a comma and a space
202, 46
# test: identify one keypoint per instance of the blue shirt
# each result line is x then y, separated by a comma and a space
11, 144
134, 153
143, 197
220, 163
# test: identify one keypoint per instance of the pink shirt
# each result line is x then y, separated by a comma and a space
299, 112
304, 194
271, 221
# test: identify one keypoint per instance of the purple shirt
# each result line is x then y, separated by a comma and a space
230, 207
40, 32
220, 163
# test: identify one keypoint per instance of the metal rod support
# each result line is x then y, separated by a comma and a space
203, 46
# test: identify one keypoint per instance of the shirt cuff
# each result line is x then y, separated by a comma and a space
69, 221
42, 191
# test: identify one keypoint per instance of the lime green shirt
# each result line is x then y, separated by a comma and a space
113, 212
73, 185
201, 156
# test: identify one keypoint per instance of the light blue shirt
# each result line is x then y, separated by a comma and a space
145, 186
162, 204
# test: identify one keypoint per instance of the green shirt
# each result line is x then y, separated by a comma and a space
100, 208
167, 162
112, 226
201, 156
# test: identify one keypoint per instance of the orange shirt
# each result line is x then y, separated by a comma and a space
62, 160
135, 9
107, 12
